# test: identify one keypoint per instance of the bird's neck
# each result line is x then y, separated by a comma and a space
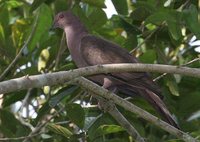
74, 33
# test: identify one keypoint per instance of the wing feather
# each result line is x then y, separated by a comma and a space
95, 51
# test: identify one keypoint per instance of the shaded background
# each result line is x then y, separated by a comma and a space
156, 31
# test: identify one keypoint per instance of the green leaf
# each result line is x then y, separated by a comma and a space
190, 17
36, 4
13, 98
171, 83
4, 22
19, 28
148, 6
18, 96
164, 15
140, 14
157, 17
149, 56
61, 5
43, 24
46, 136
76, 114
174, 26
174, 29
131, 42
89, 121
121, 6
128, 27
94, 17
102, 120
77, 10
10, 126
61, 94
59, 130
42, 111
2, 35
108, 129
173, 19
188, 103
13, 3
116, 140
97, 3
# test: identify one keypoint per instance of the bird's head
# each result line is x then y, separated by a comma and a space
63, 19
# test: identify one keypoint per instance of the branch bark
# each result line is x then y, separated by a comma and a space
37, 81
134, 109
64, 76
110, 107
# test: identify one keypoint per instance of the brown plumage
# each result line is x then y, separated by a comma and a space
88, 50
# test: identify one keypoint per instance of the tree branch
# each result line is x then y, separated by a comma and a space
64, 76
20, 138
115, 113
132, 108
41, 125
38, 81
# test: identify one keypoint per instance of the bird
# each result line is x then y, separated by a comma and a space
88, 50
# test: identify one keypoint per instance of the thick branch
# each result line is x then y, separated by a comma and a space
62, 77
132, 108
37, 81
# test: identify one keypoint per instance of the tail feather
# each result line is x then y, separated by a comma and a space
159, 105
152, 98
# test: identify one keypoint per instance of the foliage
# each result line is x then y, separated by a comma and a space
154, 31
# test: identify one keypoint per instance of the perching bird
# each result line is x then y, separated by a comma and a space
87, 50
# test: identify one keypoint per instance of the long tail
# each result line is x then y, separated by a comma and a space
153, 99
159, 105
148, 95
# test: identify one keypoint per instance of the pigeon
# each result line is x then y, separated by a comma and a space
88, 50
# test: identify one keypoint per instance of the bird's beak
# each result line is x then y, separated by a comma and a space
51, 28
54, 26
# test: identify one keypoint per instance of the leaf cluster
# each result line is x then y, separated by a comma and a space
163, 31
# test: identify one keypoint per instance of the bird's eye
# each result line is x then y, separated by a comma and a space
61, 16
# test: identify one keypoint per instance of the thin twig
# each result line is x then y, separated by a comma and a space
159, 77
190, 62
186, 64
21, 50
145, 40
149, 36
185, 4
20, 138
39, 126
60, 51
24, 103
